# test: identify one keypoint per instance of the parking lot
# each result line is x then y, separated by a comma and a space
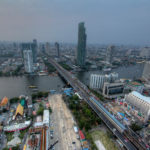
62, 124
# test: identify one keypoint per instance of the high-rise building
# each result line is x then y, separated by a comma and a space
81, 48
57, 49
28, 61
109, 54
34, 50
146, 72
32, 47
47, 48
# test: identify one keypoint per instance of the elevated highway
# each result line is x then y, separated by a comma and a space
129, 142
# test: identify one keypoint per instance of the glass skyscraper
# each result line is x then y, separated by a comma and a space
81, 49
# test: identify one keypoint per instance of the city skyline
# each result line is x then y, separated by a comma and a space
107, 22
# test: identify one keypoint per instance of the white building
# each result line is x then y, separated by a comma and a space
46, 119
97, 81
140, 102
28, 61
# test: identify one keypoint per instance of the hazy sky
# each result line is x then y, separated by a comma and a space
106, 21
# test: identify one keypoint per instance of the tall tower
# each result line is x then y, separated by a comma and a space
109, 54
81, 48
57, 49
34, 50
32, 47
28, 61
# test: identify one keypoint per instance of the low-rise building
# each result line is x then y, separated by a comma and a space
140, 102
113, 90
135, 86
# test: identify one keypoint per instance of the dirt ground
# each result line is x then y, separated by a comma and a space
62, 123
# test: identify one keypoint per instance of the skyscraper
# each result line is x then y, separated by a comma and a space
57, 49
28, 61
109, 54
32, 47
34, 50
81, 48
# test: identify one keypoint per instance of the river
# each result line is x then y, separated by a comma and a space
16, 86
130, 72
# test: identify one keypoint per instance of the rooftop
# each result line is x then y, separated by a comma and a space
146, 99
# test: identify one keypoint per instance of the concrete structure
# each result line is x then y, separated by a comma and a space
57, 49
28, 61
113, 90
140, 102
81, 49
109, 54
146, 72
46, 120
97, 81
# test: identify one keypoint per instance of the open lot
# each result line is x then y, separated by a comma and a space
104, 140
62, 124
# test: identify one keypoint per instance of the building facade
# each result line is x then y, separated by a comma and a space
81, 48
142, 103
113, 90
28, 61
97, 81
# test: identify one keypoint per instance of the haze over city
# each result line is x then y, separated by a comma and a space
74, 75
107, 21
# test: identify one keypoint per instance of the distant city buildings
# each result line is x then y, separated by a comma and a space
145, 52
142, 103
109, 54
146, 72
28, 61
81, 48
57, 49
97, 80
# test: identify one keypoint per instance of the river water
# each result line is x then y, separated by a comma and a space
16, 86
130, 72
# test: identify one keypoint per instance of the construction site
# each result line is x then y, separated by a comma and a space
62, 124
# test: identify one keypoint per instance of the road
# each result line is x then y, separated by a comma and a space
62, 123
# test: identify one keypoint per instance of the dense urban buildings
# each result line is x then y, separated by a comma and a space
81, 48
140, 102
28, 61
